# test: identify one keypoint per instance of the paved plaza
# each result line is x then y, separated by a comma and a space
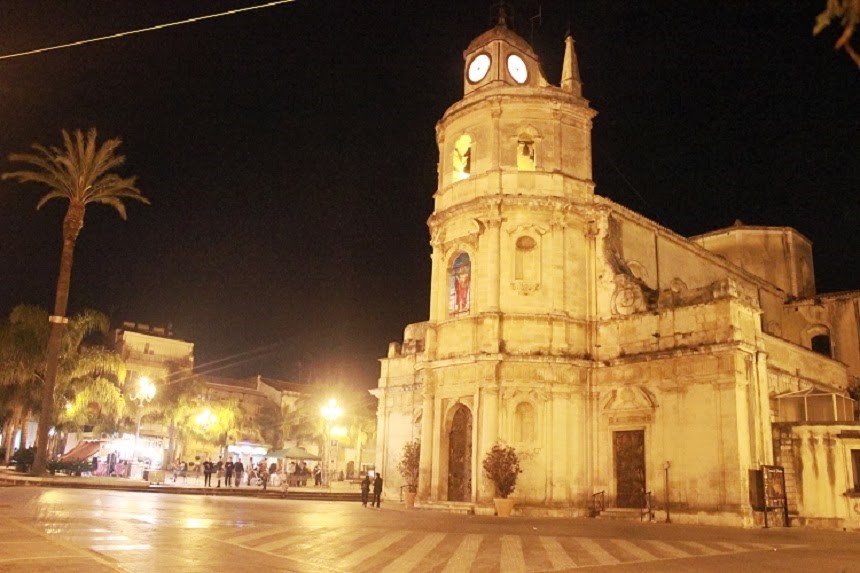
46, 529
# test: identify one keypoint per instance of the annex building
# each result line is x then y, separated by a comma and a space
614, 354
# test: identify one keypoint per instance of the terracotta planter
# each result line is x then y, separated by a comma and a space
504, 506
410, 499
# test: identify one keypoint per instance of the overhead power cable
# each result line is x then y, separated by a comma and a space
149, 29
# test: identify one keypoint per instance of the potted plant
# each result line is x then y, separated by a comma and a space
408, 468
502, 466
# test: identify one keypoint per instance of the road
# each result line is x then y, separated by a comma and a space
95, 531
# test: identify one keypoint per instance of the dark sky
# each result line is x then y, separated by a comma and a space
290, 156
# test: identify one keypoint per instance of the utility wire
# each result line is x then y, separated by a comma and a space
149, 29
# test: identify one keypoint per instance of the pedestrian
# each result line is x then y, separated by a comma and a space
377, 490
219, 471
238, 470
365, 490
183, 471
317, 475
263, 473
207, 473
229, 468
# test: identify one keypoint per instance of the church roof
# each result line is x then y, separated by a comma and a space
505, 34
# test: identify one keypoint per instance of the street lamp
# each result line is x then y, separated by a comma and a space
205, 419
330, 413
144, 393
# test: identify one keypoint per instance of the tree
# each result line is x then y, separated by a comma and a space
176, 403
409, 465
502, 467
80, 173
848, 13
87, 376
22, 358
306, 424
269, 424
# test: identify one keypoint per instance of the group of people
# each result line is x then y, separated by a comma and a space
377, 491
232, 473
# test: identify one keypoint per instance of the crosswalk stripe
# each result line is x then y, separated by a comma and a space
599, 553
416, 553
763, 546
635, 550
511, 559
278, 543
465, 554
671, 550
350, 562
240, 539
702, 547
320, 545
733, 547
558, 557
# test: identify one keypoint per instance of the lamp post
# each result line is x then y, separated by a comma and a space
144, 393
330, 412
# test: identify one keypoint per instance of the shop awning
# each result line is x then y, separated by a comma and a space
294, 453
82, 451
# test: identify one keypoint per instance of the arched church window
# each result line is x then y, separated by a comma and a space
525, 154
462, 158
821, 344
524, 423
525, 261
460, 285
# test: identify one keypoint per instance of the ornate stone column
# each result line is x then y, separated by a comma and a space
489, 424
428, 416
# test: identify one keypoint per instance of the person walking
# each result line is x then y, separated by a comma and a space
207, 473
377, 490
219, 471
238, 470
365, 490
317, 475
229, 468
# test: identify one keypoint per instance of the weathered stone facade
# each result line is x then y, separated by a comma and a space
611, 352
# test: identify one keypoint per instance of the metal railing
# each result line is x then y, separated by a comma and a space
648, 509
598, 502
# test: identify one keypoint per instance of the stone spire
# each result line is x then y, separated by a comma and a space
570, 69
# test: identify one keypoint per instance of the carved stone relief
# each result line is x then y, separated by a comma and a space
628, 297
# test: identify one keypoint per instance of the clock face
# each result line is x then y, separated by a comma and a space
517, 68
479, 67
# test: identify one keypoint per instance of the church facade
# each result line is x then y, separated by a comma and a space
619, 358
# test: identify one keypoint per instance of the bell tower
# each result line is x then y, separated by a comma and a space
514, 164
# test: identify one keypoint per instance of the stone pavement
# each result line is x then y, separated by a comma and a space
42, 529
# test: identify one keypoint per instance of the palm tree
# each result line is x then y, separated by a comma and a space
80, 173
22, 358
87, 376
176, 404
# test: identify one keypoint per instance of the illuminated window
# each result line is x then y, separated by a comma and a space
525, 154
460, 285
462, 158
524, 422
525, 261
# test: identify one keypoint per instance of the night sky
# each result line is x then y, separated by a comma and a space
290, 157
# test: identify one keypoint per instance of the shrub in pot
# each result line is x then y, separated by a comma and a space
408, 467
502, 466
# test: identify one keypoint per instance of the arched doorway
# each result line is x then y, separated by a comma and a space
460, 456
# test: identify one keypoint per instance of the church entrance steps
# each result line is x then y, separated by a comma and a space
461, 507
629, 514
